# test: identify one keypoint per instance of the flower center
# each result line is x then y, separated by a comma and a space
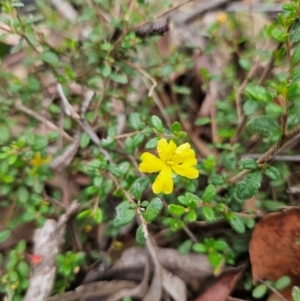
170, 162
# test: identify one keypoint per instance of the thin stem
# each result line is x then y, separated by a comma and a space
288, 48
19, 106
128, 134
147, 75
173, 8
238, 99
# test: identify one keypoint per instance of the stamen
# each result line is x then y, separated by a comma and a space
170, 162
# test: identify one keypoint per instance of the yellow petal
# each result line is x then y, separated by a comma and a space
164, 182
183, 153
165, 150
187, 169
150, 163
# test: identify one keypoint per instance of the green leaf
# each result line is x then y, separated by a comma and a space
296, 55
192, 216
208, 213
296, 293
50, 57
209, 193
129, 145
113, 169
157, 123
282, 283
199, 248
84, 214
202, 121
97, 215
247, 188
229, 160
106, 70
182, 90
176, 209
279, 34
220, 245
135, 121
183, 200
152, 143
272, 205
216, 180
248, 163
263, 124
40, 144
235, 222
153, 209
250, 107
123, 167
175, 127
288, 6
124, 214
140, 236
295, 32
245, 64
119, 78
138, 139
215, 259
258, 93
4, 134
3, 36
84, 140
144, 203
4, 235
272, 173
259, 291
23, 194
139, 186
23, 269
185, 247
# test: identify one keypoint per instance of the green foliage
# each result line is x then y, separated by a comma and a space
140, 236
139, 186
248, 187
14, 281
259, 291
153, 209
272, 173
248, 163
176, 209
218, 252
125, 120
282, 283
262, 124
296, 293
209, 193
68, 266
124, 214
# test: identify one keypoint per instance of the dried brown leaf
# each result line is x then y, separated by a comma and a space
221, 289
275, 249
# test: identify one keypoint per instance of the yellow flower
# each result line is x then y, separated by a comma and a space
38, 161
180, 160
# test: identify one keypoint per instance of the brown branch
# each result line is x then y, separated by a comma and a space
153, 29
283, 142
238, 100
269, 65
173, 8
19, 106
